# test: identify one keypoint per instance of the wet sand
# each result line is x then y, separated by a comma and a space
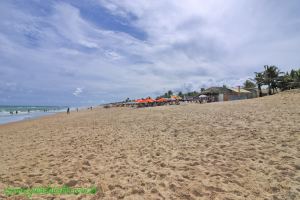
246, 149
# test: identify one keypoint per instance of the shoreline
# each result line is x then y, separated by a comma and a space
36, 115
30, 119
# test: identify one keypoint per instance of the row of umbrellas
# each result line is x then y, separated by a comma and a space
150, 100
173, 98
159, 100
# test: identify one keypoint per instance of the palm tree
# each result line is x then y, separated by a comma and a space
295, 76
249, 84
275, 76
271, 75
170, 93
289, 80
259, 79
284, 82
180, 94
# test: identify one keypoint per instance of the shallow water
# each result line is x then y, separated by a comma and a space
26, 112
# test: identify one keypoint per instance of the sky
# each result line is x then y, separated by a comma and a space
75, 52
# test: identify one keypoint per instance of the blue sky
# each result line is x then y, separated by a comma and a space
89, 52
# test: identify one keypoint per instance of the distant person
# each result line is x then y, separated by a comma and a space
28, 111
91, 108
77, 109
11, 112
68, 110
16, 112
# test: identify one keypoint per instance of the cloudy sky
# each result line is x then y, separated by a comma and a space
77, 52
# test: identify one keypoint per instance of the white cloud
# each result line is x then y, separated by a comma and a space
187, 45
78, 91
219, 34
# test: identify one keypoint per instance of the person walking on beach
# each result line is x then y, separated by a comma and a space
68, 110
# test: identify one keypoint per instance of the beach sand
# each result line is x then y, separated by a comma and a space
246, 149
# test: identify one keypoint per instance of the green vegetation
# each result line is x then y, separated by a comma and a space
188, 94
259, 78
167, 94
180, 94
249, 84
273, 78
289, 80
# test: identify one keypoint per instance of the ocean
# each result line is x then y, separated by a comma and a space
18, 113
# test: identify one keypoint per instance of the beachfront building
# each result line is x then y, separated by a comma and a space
254, 92
227, 94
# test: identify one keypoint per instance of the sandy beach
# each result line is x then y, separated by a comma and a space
247, 149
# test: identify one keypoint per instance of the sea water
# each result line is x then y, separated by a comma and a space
18, 113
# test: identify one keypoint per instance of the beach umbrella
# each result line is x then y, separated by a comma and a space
139, 101
147, 100
162, 100
150, 100
176, 97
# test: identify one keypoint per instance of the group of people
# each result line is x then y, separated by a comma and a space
68, 109
12, 112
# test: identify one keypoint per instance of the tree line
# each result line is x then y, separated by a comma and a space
271, 77
274, 79
181, 94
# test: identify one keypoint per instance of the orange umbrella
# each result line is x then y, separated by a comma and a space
161, 100
139, 100
149, 100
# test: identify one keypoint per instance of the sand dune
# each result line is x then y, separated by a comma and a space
233, 150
